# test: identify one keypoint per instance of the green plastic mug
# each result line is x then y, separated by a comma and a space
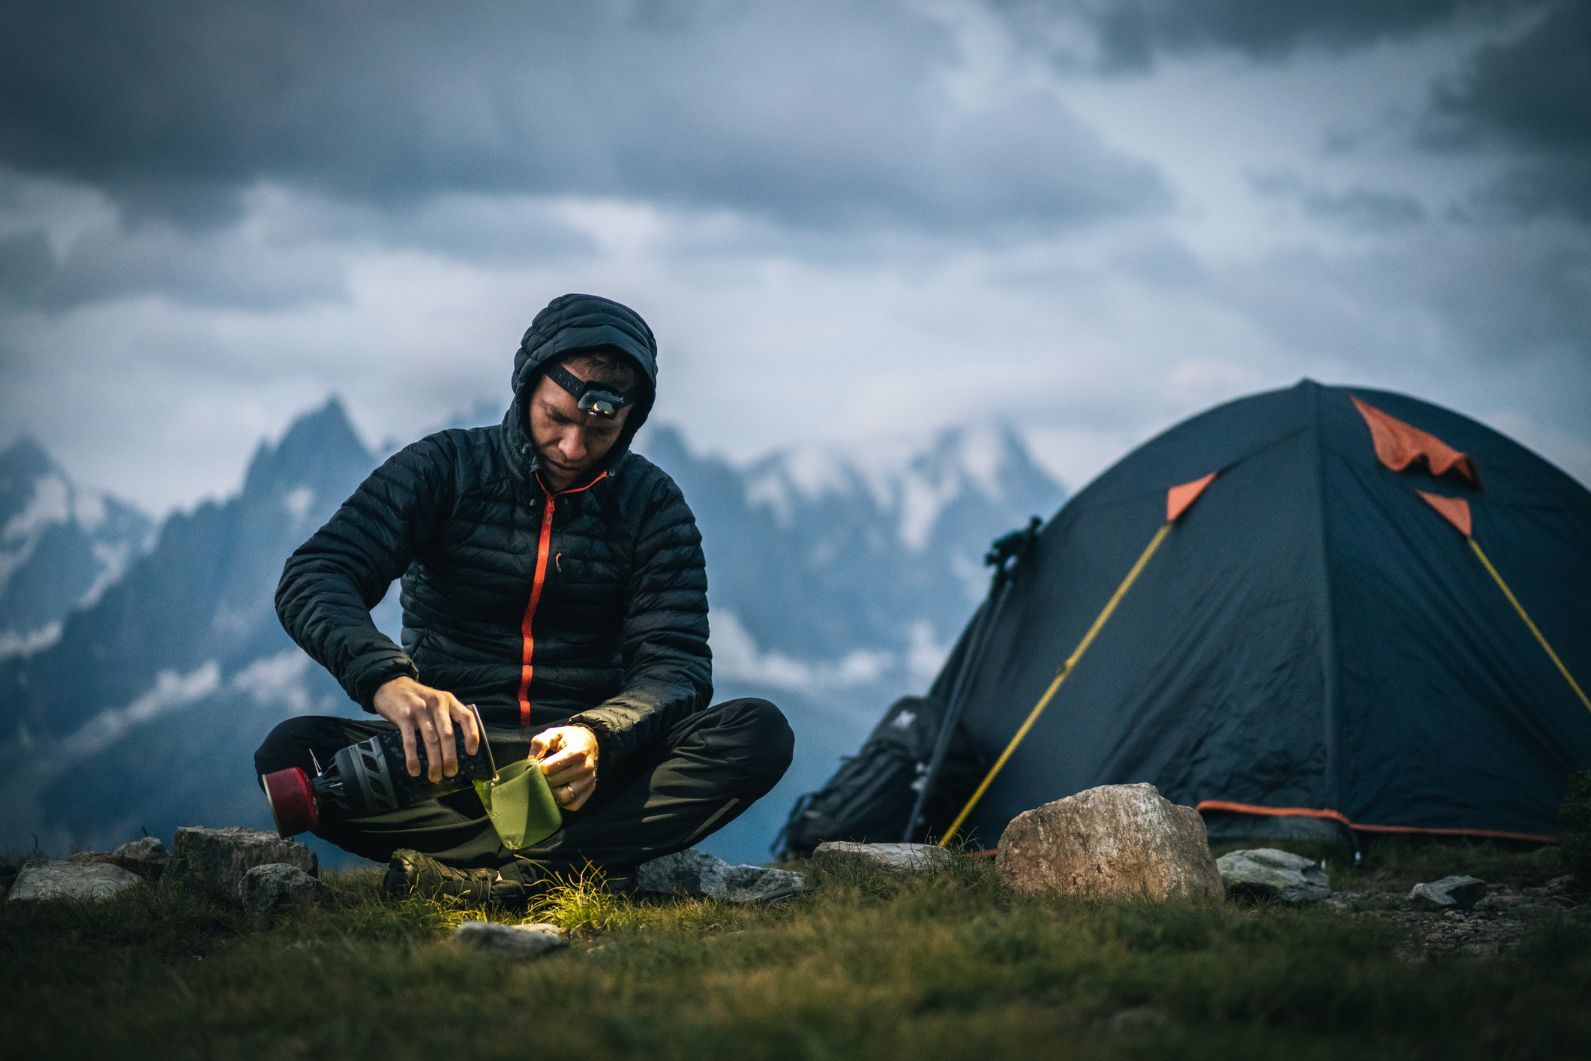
520, 804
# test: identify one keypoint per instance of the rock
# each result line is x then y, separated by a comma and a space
216, 859
1269, 873
276, 886
513, 941
71, 880
1115, 841
146, 857
701, 876
897, 858
1449, 893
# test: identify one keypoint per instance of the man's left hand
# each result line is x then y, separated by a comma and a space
568, 757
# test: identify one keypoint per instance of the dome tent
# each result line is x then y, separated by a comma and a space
1320, 602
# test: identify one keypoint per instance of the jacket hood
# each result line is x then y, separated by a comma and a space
569, 324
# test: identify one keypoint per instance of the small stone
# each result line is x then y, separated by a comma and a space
1449, 893
896, 858
146, 856
266, 890
511, 941
696, 874
70, 880
1270, 873
681, 873
216, 859
1114, 841
756, 884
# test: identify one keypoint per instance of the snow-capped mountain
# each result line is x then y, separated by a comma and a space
61, 545
831, 555
836, 579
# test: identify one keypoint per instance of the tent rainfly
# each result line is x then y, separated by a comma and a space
1321, 602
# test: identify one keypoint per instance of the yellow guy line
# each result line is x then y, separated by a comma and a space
1520, 608
1060, 676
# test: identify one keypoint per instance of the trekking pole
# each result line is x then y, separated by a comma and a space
1004, 555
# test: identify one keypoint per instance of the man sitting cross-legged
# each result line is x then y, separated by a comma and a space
554, 580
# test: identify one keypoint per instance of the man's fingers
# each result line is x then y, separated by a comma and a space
579, 793
553, 763
570, 773
433, 749
547, 742
466, 722
442, 719
566, 765
411, 760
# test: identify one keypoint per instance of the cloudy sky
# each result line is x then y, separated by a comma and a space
843, 220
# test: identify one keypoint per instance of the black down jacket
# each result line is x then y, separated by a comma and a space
586, 606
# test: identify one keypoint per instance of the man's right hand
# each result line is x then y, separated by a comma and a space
427, 716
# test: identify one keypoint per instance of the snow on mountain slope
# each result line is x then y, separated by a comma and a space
61, 545
838, 578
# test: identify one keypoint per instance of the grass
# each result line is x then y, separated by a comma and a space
864, 966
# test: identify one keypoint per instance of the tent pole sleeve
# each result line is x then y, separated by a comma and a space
1520, 608
1060, 676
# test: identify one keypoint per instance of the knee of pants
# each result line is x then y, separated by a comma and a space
283, 747
765, 741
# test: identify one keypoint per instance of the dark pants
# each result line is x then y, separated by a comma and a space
709, 768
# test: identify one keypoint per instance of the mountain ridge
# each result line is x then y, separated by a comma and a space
168, 681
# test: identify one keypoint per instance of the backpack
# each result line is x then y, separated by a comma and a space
872, 793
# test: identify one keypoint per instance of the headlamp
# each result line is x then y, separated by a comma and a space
593, 397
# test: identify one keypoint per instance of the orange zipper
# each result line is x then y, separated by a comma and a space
527, 636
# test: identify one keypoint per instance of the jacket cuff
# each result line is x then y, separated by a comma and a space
370, 679
607, 746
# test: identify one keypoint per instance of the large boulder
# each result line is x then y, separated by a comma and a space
1269, 873
216, 859
1111, 842
71, 880
894, 858
510, 941
270, 889
698, 875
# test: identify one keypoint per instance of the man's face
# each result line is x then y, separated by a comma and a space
570, 443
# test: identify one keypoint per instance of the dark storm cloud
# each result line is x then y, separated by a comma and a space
1128, 35
849, 119
211, 268
1530, 95
26, 263
1357, 209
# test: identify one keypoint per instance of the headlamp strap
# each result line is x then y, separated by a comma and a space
594, 398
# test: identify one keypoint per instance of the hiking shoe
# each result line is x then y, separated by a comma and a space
413, 872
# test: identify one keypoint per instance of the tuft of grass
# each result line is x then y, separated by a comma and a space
1575, 832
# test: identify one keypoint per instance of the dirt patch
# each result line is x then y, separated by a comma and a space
1495, 925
